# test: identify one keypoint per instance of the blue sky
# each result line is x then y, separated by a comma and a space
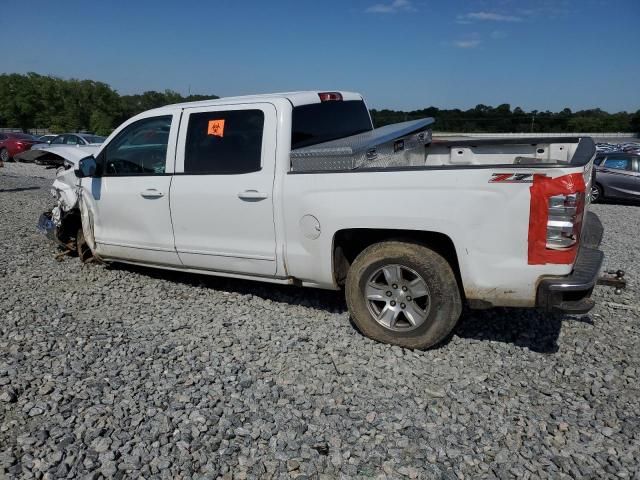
402, 54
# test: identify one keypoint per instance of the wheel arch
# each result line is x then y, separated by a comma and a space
349, 243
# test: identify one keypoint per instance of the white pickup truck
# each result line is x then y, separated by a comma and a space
299, 188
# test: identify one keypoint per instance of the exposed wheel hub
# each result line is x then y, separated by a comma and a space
398, 297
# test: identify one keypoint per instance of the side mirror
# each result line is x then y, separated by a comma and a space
86, 167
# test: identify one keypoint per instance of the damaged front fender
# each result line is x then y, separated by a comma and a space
70, 220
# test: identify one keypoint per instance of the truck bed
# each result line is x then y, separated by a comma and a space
529, 152
409, 145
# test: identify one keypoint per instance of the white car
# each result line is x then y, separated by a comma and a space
299, 188
47, 153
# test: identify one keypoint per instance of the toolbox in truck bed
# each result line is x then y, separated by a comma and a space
401, 144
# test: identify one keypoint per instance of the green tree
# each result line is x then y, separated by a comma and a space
39, 101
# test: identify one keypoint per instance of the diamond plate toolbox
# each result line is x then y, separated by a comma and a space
397, 145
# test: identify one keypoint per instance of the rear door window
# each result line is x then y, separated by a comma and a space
618, 163
224, 142
322, 122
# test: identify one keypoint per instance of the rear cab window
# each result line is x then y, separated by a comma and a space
322, 122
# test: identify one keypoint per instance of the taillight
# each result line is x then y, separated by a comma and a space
564, 220
330, 96
555, 218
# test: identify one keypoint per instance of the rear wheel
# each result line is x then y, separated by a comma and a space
596, 193
403, 294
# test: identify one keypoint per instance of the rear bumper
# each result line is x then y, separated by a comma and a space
572, 293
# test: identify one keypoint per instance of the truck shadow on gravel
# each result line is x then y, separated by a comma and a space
20, 189
526, 328
521, 327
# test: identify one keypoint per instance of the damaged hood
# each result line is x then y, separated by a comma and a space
71, 153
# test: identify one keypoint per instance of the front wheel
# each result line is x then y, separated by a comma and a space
82, 248
403, 294
4, 155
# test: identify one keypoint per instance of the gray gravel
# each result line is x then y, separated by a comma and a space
127, 372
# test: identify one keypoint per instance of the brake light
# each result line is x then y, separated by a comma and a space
330, 96
555, 218
564, 220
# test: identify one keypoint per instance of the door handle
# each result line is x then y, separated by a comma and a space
252, 195
151, 193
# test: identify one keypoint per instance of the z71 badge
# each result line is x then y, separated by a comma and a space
511, 178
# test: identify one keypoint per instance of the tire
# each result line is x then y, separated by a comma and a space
4, 155
597, 193
423, 320
84, 252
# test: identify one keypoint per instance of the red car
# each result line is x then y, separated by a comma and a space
13, 143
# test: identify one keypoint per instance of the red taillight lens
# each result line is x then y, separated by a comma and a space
555, 218
330, 96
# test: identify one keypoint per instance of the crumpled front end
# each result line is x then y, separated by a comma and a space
64, 190
62, 222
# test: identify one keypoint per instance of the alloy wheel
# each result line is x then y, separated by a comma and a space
398, 298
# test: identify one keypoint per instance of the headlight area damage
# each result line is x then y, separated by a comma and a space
63, 223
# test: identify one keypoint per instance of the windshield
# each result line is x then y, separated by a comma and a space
322, 122
93, 138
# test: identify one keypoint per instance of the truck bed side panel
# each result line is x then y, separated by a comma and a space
487, 221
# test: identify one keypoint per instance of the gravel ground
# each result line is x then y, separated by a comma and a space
128, 372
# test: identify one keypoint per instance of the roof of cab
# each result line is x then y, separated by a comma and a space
295, 98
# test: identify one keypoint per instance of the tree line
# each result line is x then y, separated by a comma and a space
69, 105
502, 119
34, 101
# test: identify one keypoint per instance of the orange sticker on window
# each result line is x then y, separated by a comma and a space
216, 128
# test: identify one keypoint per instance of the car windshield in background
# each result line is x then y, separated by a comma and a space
93, 138
326, 121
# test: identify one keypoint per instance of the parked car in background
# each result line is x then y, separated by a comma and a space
77, 139
616, 176
46, 153
47, 138
11, 144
